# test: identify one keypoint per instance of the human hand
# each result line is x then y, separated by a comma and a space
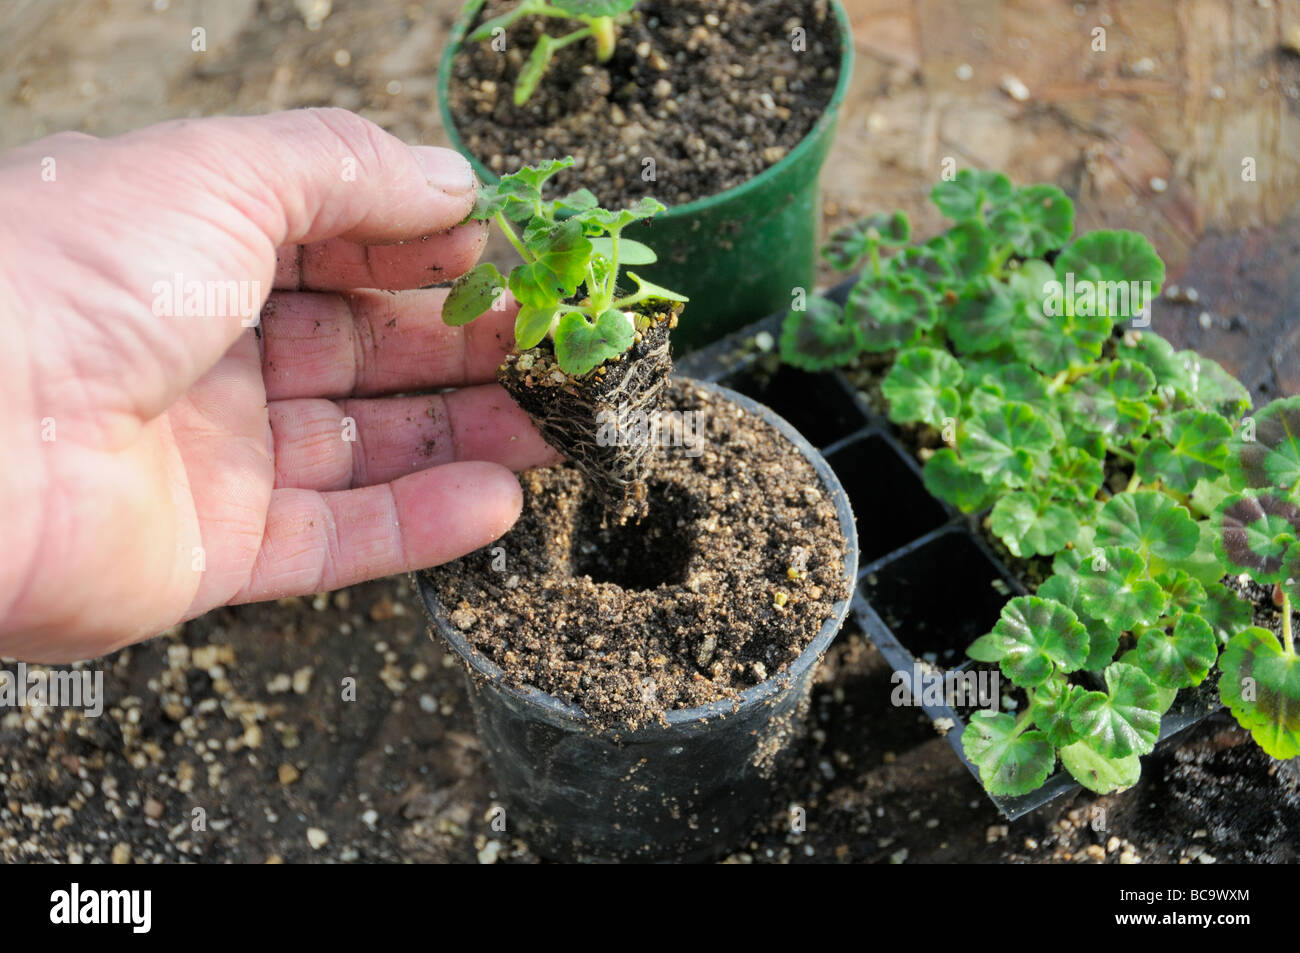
159, 465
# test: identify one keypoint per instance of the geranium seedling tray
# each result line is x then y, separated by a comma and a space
928, 583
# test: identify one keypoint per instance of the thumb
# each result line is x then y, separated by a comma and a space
311, 174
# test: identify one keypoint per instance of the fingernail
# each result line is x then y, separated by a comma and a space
445, 170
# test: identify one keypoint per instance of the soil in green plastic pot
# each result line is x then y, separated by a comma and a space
711, 90
727, 580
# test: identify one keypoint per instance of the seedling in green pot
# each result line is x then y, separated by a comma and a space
598, 19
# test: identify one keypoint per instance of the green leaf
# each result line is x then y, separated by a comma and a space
850, 245
1149, 523
562, 255
629, 252
1213, 388
985, 318
1053, 342
597, 220
581, 346
1098, 773
1122, 721
1103, 640
924, 266
649, 291
1114, 588
472, 294
531, 326
1030, 526
1186, 594
1267, 452
1004, 445
1112, 400
1052, 703
1120, 268
968, 246
948, 478
1076, 475
1261, 686
579, 200
1037, 219
1182, 658
534, 68
971, 194
1226, 612
1196, 449
1254, 531
922, 387
1033, 638
1009, 764
594, 8
819, 338
888, 313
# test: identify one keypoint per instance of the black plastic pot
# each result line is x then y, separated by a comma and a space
685, 791
929, 584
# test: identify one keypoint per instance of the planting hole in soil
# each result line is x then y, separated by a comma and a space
889, 502
938, 597
637, 557
817, 407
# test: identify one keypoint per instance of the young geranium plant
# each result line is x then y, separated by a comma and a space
1258, 534
1088, 442
598, 21
584, 347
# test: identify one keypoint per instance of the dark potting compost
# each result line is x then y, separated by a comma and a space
730, 575
582, 416
713, 91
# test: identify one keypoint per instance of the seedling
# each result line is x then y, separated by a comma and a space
583, 348
599, 19
1093, 445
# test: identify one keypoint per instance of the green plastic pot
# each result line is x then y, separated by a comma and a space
740, 254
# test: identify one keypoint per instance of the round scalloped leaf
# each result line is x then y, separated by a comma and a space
1076, 475
1018, 382
1271, 458
1254, 531
1124, 720
1213, 388
1186, 594
819, 338
1149, 348
971, 194
1197, 449
1030, 526
925, 266
1009, 764
1054, 342
1102, 639
581, 345
1182, 658
1099, 773
848, 246
922, 387
1052, 703
1033, 638
1260, 684
948, 478
968, 247
985, 318
1114, 265
889, 314
1038, 219
1113, 587
1149, 523
1203, 564
1225, 611
1004, 445
1112, 400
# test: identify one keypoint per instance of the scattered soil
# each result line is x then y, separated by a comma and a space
683, 609
579, 416
711, 90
